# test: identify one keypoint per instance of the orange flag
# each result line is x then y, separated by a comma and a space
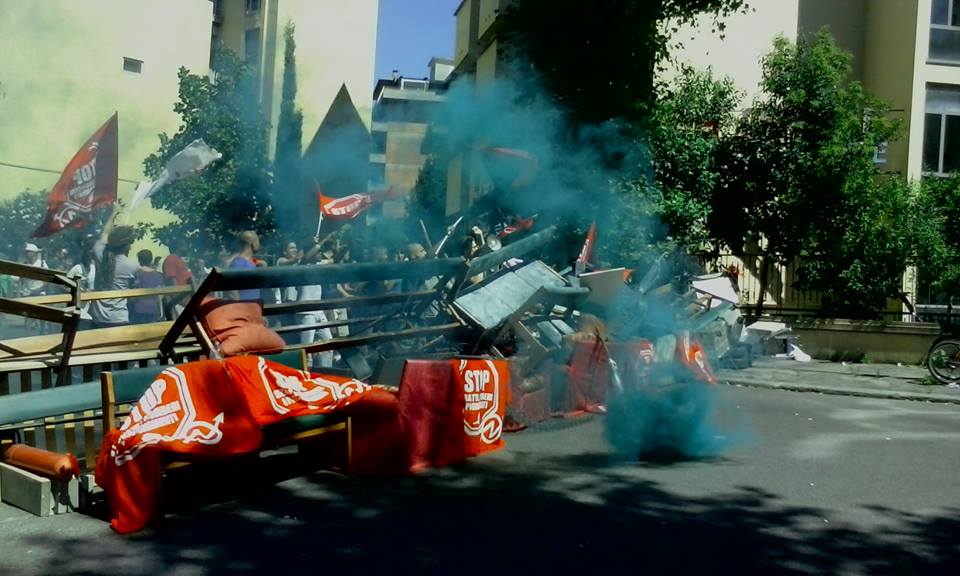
88, 181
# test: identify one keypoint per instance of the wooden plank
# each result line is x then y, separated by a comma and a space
284, 276
516, 249
350, 341
108, 401
333, 324
46, 378
91, 341
26, 380
32, 272
36, 311
70, 435
106, 294
89, 441
50, 434
328, 304
29, 434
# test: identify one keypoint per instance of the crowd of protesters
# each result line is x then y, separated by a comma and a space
106, 263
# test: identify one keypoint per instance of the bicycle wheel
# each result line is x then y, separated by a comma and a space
943, 361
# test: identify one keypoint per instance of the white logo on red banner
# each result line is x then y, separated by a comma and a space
481, 395
312, 389
154, 413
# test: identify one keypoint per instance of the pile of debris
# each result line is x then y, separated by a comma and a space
570, 336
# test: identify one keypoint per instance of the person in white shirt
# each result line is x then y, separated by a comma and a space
33, 256
85, 273
315, 255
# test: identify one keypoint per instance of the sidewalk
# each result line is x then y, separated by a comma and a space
867, 380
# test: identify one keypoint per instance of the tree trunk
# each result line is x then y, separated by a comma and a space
763, 283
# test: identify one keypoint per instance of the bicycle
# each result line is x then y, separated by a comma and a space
943, 359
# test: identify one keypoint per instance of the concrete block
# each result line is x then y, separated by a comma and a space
36, 494
90, 493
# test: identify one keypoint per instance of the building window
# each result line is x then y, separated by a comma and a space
945, 31
253, 6
251, 47
378, 142
941, 130
406, 84
133, 65
880, 154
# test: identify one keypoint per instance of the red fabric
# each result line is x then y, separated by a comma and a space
483, 386
453, 409
210, 408
690, 353
586, 253
523, 163
380, 445
447, 411
589, 375
430, 413
346, 208
518, 225
88, 181
174, 268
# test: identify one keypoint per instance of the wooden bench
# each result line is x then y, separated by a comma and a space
121, 389
376, 319
67, 417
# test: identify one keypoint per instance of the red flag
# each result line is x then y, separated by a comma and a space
586, 254
88, 181
518, 225
521, 163
346, 208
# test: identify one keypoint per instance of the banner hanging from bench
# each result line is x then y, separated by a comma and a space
209, 407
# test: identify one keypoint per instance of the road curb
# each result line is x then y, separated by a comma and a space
859, 392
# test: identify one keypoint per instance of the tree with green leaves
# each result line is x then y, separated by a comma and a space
428, 199
597, 63
864, 251
599, 59
799, 173
288, 184
690, 117
20, 215
233, 194
936, 237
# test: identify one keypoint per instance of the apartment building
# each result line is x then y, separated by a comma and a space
68, 65
403, 111
907, 52
336, 47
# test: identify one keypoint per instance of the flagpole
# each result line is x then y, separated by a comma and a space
319, 223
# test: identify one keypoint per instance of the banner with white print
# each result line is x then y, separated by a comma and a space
485, 385
88, 182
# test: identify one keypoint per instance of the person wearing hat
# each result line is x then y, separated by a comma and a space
33, 256
115, 271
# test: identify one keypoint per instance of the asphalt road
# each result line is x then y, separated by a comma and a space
814, 485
